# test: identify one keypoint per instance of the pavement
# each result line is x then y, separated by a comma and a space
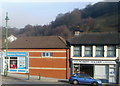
34, 78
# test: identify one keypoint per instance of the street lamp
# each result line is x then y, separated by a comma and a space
6, 61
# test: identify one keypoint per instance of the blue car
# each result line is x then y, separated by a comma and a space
78, 78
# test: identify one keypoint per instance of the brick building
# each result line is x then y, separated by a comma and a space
47, 55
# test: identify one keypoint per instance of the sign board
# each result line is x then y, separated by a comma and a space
93, 62
23, 54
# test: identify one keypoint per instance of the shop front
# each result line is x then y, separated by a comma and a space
15, 62
106, 71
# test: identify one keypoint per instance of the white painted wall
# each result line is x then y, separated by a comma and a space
94, 50
105, 50
117, 52
83, 50
71, 51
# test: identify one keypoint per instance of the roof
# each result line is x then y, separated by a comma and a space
37, 42
95, 38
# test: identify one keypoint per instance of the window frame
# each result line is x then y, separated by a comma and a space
47, 54
80, 51
102, 50
91, 47
114, 51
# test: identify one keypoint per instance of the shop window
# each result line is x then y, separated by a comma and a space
99, 51
13, 62
101, 72
88, 51
22, 63
47, 54
76, 68
111, 51
77, 51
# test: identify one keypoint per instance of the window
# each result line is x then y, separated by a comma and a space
88, 51
13, 62
111, 51
76, 68
77, 51
99, 51
22, 63
47, 54
77, 33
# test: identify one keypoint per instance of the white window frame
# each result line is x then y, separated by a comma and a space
111, 50
88, 50
50, 54
80, 51
99, 50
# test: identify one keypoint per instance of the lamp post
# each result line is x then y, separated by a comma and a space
6, 32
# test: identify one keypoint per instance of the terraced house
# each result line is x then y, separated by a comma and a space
96, 54
47, 55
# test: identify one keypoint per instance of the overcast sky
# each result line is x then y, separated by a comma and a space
37, 12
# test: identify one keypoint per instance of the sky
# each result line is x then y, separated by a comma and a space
37, 12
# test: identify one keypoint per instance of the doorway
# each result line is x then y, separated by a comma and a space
13, 62
87, 69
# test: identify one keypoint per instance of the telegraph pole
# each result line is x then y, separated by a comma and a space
6, 58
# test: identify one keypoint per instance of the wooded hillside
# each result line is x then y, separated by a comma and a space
100, 17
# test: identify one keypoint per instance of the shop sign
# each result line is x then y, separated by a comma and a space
93, 62
23, 54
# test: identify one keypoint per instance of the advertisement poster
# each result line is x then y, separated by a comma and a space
21, 63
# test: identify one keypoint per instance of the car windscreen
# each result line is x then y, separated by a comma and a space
84, 76
81, 75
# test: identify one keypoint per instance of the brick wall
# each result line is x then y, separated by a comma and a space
57, 66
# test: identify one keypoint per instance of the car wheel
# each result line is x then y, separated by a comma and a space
75, 82
94, 84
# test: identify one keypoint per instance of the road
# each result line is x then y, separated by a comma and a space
9, 81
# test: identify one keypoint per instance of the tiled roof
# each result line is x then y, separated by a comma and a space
38, 42
96, 38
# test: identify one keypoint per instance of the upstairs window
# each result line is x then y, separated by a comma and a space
88, 51
77, 51
111, 51
47, 54
99, 51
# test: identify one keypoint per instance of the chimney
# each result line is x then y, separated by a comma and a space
77, 32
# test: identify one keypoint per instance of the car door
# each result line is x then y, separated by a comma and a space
81, 79
87, 80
